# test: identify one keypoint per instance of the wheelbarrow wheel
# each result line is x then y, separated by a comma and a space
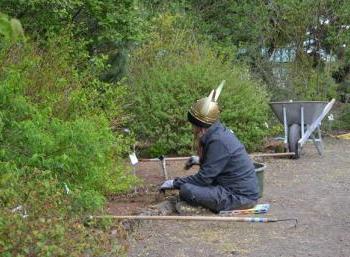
293, 138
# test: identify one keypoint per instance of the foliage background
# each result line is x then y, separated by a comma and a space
174, 69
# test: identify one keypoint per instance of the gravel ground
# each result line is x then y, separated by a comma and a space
313, 189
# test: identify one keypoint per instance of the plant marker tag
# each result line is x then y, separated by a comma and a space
66, 189
133, 159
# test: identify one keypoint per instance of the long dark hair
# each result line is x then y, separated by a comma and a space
198, 132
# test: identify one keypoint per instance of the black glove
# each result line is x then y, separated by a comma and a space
193, 160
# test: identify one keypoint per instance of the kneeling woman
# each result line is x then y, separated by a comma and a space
226, 179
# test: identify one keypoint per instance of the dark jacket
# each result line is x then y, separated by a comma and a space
226, 163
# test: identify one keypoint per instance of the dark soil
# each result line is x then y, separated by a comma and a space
142, 197
313, 189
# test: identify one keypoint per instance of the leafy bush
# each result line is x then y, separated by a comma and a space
37, 217
59, 156
172, 71
100, 26
309, 83
79, 150
342, 118
10, 29
343, 91
95, 21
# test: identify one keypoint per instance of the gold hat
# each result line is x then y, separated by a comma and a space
205, 111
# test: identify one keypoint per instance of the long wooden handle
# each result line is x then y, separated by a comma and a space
188, 218
271, 154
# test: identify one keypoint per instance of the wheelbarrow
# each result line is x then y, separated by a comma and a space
301, 120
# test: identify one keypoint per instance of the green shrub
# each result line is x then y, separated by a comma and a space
343, 91
56, 131
309, 83
79, 150
37, 217
61, 149
172, 71
342, 118
10, 29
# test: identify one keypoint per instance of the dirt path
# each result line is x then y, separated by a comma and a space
314, 189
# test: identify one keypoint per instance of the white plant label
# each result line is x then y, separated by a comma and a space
133, 159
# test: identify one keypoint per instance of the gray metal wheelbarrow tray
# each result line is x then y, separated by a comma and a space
301, 120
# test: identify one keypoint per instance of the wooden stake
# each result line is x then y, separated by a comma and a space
251, 155
272, 154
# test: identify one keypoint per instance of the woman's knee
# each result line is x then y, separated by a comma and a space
196, 195
186, 192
